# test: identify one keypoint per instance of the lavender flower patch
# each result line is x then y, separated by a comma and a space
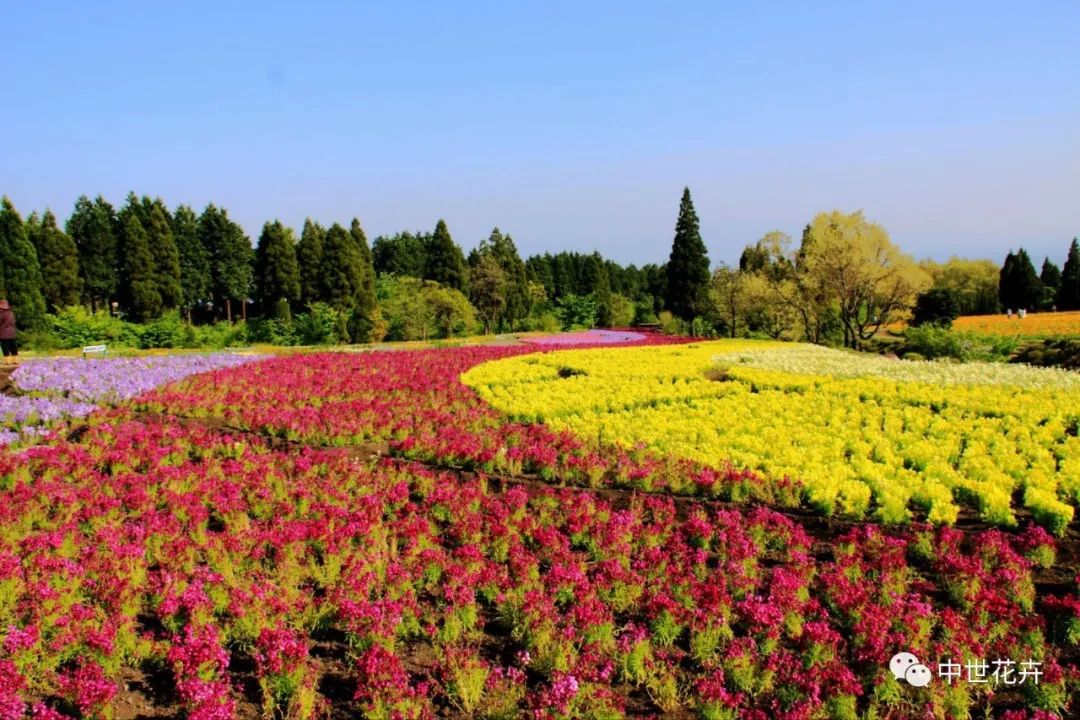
588, 337
66, 388
113, 380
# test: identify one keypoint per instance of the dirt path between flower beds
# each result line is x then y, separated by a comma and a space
7, 387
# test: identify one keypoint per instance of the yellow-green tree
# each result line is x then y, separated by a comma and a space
856, 264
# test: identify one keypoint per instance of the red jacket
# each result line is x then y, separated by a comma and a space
7, 325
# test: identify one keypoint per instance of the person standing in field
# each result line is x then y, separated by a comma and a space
7, 333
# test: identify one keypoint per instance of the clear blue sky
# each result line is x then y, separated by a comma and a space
568, 124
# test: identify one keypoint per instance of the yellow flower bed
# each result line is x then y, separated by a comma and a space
863, 434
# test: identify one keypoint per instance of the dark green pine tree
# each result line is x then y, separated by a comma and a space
231, 258
518, 301
362, 321
277, 276
688, 265
132, 208
1050, 277
1068, 294
341, 273
1007, 282
445, 261
93, 227
20, 273
1019, 286
59, 262
403, 254
599, 287
309, 252
158, 226
194, 262
139, 271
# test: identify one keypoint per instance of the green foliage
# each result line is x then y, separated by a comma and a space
623, 311
365, 321
487, 290
20, 274
688, 267
403, 254
139, 277
1068, 294
318, 326
932, 342
59, 262
343, 277
1061, 352
277, 276
937, 306
309, 253
231, 257
974, 282
415, 309
444, 262
166, 256
596, 277
92, 226
1018, 284
76, 327
577, 312
193, 258
517, 299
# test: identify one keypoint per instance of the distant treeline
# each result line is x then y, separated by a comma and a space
145, 262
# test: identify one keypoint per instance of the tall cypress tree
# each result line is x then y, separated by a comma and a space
688, 265
140, 272
59, 262
132, 208
20, 273
402, 254
1068, 294
92, 226
166, 255
1018, 285
1050, 277
445, 261
596, 276
1007, 282
231, 257
341, 272
277, 276
309, 252
194, 262
364, 316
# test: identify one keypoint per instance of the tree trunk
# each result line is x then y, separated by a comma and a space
228, 309
243, 309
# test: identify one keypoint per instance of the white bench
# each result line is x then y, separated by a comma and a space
90, 349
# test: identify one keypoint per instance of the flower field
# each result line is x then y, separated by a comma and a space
862, 435
56, 389
216, 548
1042, 324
